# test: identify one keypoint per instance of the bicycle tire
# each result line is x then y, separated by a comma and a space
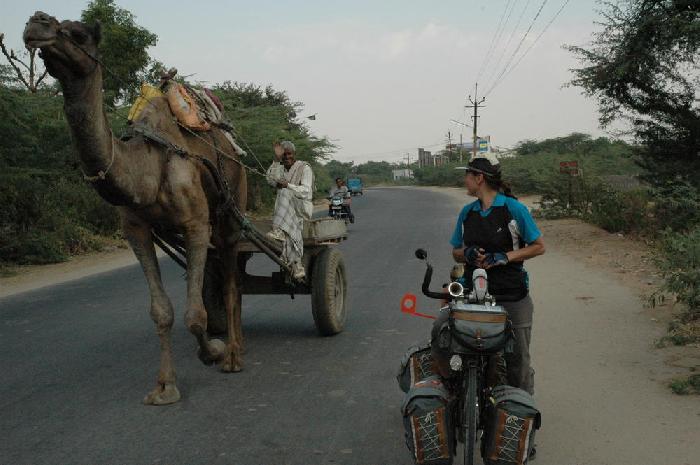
470, 415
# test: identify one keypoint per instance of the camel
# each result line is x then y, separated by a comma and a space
151, 188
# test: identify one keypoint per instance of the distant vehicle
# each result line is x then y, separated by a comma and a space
355, 186
339, 208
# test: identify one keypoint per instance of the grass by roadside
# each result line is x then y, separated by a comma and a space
686, 385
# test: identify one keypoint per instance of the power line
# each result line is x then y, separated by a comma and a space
517, 49
510, 39
566, 2
493, 41
503, 29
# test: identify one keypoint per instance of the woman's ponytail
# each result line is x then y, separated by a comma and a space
497, 184
507, 190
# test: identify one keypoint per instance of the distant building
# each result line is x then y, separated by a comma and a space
424, 158
402, 173
440, 159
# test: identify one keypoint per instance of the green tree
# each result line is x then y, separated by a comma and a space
123, 49
262, 116
338, 169
642, 66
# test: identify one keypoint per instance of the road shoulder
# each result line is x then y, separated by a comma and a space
32, 277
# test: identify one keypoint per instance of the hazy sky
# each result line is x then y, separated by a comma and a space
383, 77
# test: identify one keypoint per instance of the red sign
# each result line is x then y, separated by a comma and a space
568, 167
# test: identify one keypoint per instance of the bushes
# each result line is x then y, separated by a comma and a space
48, 216
616, 211
678, 205
444, 175
680, 263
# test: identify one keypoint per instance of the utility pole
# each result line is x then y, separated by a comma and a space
408, 165
461, 147
449, 144
476, 103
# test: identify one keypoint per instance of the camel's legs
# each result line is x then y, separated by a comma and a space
197, 240
138, 234
232, 302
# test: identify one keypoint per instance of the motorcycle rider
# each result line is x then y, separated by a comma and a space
497, 233
342, 190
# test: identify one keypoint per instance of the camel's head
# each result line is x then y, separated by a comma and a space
66, 47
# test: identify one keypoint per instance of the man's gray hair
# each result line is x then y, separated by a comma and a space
287, 145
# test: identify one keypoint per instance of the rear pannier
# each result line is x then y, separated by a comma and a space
509, 432
427, 420
416, 365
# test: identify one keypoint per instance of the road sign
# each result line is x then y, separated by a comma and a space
569, 167
483, 145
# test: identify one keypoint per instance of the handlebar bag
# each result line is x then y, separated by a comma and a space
477, 331
511, 421
427, 419
416, 365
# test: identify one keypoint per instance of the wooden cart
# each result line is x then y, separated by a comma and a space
325, 275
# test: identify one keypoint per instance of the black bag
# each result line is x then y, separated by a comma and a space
468, 331
509, 430
427, 419
416, 365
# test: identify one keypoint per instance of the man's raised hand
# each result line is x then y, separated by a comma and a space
279, 151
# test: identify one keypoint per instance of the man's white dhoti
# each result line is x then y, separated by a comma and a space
292, 205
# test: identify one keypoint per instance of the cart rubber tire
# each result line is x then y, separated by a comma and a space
213, 296
329, 292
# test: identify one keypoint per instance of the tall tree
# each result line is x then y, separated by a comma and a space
28, 71
123, 49
643, 66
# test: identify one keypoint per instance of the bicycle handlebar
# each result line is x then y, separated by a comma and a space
427, 278
426, 286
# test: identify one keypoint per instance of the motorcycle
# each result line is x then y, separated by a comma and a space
339, 208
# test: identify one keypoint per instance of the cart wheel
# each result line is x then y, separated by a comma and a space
329, 292
213, 296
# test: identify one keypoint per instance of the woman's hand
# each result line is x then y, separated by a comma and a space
473, 255
492, 259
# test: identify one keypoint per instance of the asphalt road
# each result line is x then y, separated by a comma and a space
77, 359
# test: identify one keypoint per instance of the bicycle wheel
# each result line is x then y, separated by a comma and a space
470, 416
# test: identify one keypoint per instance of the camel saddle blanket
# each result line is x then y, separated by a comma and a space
195, 109
148, 92
185, 107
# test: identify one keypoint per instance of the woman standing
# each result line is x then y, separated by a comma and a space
497, 233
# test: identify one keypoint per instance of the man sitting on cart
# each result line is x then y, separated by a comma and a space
294, 182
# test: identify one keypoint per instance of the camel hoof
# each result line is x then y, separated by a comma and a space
230, 367
164, 394
217, 347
